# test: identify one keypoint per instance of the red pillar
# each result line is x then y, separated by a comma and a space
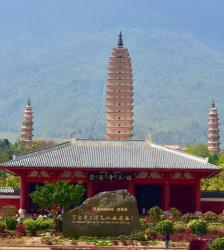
131, 188
166, 196
23, 194
198, 196
90, 191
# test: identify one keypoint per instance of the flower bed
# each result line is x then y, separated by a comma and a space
156, 227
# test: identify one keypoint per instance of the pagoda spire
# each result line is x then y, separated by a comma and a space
27, 126
213, 130
119, 94
29, 102
120, 40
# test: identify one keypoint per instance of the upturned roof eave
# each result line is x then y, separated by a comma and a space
89, 168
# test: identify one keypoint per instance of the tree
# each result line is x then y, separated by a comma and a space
38, 144
7, 150
9, 180
213, 159
58, 195
53, 197
12, 181
216, 182
220, 161
199, 150
19, 148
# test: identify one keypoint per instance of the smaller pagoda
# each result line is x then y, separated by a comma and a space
213, 130
27, 126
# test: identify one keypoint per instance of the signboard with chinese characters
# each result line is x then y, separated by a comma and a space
105, 176
107, 213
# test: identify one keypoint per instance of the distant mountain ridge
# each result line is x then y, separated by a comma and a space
60, 60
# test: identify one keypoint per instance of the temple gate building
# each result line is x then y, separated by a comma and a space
154, 174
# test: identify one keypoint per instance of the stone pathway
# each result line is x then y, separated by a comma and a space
25, 248
89, 248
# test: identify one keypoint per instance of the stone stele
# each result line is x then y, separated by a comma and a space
109, 213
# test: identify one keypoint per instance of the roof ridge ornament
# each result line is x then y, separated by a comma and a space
73, 135
120, 40
149, 138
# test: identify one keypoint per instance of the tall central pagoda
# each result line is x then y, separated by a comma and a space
119, 94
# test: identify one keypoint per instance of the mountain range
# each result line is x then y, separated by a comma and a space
56, 52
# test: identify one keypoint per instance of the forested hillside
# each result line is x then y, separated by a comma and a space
56, 52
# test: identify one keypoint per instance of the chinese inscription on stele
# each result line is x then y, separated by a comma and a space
107, 213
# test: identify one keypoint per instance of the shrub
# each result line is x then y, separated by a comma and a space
155, 214
2, 226
44, 224
74, 242
217, 244
144, 223
197, 227
8, 211
115, 242
125, 242
216, 228
164, 226
221, 218
40, 224
179, 227
11, 223
123, 237
210, 216
46, 241
59, 223
137, 235
188, 216
31, 226
102, 242
150, 234
175, 213
213, 228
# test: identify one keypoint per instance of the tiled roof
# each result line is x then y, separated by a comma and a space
109, 154
9, 191
212, 194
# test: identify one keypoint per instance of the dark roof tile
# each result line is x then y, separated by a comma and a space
110, 154
9, 191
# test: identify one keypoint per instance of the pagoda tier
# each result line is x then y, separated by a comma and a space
119, 94
27, 126
213, 130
